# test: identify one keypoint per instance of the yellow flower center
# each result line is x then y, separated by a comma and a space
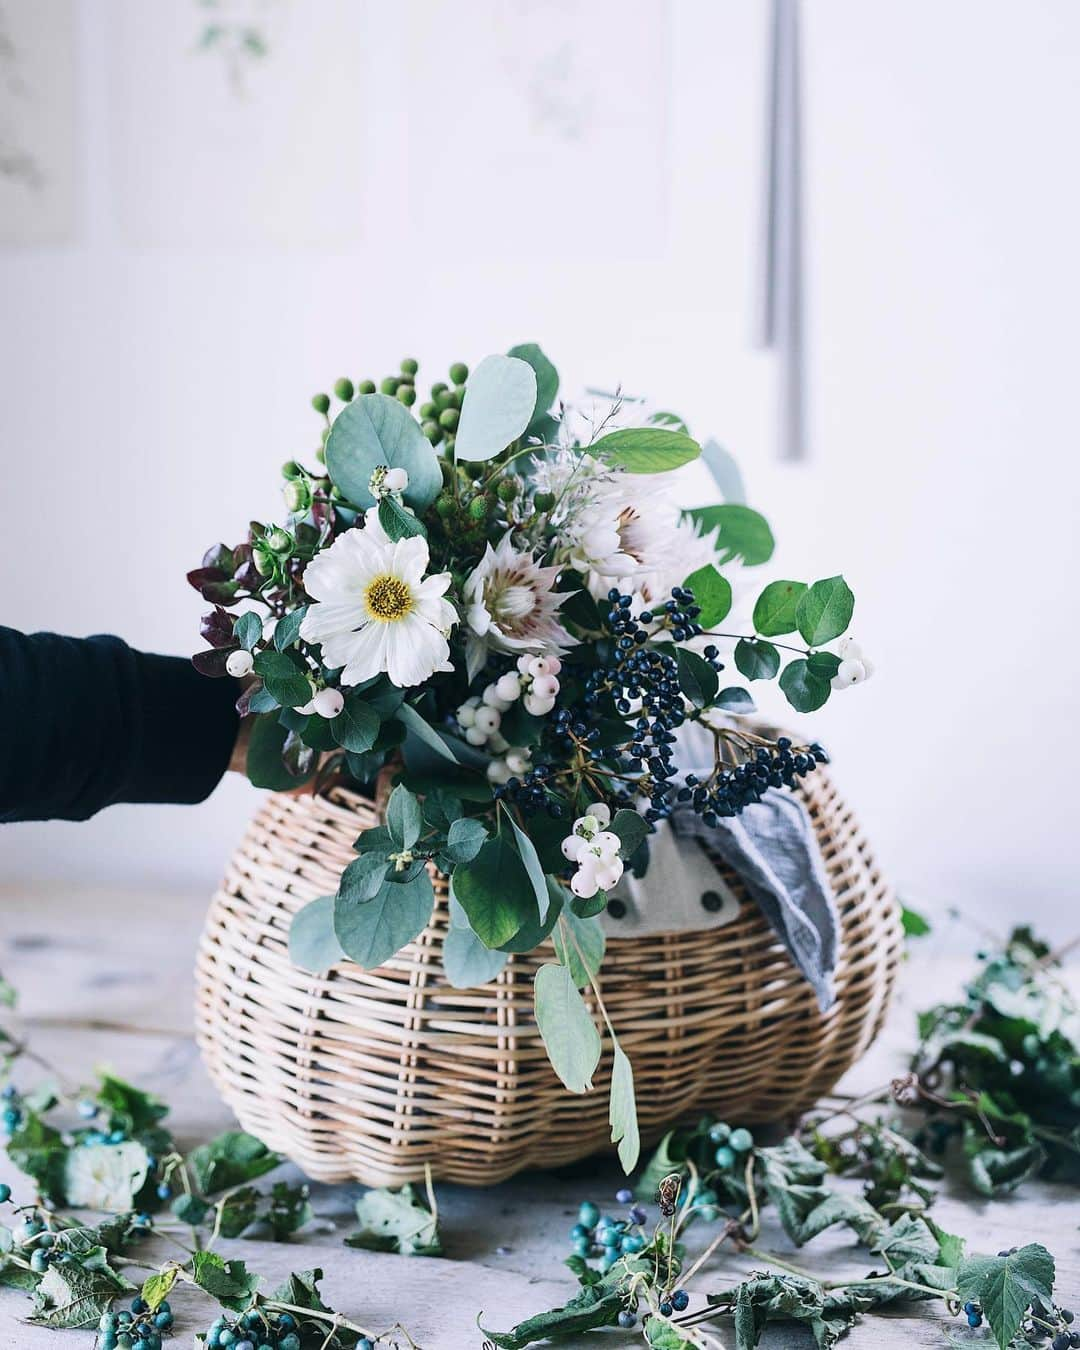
388, 599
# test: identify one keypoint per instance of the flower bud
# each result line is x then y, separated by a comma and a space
280, 542
343, 389
290, 469
328, 702
544, 501
297, 495
239, 663
321, 403
262, 558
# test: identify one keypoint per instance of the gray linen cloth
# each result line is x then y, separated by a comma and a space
773, 848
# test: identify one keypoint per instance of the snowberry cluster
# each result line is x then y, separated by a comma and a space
595, 850
854, 668
535, 683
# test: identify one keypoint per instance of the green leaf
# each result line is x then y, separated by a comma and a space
375, 430
301, 1289
661, 1335
371, 932
756, 660
547, 381
531, 863
1005, 1286
913, 923
534, 930
77, 1294
999, 1171
433, 739
775, 610
467, 962
248, 630
287, 629
398, 522
464, 838
740, 532
158, 1286
239, 1210
395, 1221
404, 817
595, 1306
130, 1108
230, 1159
823, 664
500, 399
802, 688
362, 880
289, 1210
282, 679
697, 678
623, 1110
825, 610
668, 419
230, 1282
313, 944
496, 892
631, 829
712, 593
39, 1150
646, 449
725, 471
190, 1209
734, 700
265, 767
579, 945
105, 1176
356, 727
566, 1027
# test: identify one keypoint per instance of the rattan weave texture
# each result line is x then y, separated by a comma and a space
367, 1075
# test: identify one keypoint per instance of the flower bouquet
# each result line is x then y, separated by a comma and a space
493, 616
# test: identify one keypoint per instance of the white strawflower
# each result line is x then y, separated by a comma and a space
375, 612
512, 606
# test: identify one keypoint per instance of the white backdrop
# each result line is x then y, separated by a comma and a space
442, 180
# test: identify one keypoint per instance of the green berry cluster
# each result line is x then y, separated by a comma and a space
440, 414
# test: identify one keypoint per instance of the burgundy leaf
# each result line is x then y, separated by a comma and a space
248, 577
220, 556
217, 628
211, 663
298, 758
243, 703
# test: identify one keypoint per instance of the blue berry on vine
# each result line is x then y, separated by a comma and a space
624, 1196
5, 1192
627, 1318
665, 1308
638, 1215
680, 1300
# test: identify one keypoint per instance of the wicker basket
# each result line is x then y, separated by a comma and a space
370, 1074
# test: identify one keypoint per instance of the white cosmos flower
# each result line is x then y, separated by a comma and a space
374, 611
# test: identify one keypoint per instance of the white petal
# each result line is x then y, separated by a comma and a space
325, 619
410, 560
367, 655
415, 651
601, 811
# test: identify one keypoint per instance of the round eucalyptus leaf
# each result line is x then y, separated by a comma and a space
374, 430
467, 962
500, 399
313, 944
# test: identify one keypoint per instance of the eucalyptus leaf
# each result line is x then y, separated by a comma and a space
313, 944
495, 891
467, 962
646, 449
500, 400
363, 878
287, 628
404, 817
725, 471
371, 932
534, 931
623, 1110
566, 1027
377, 430
531, 863
631, 828
547, 381
579, 945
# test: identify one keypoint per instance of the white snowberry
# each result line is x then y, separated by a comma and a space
396, 480
538, 707
849, 672
328, 702
508, 687
466, 714
487, 720
239, 663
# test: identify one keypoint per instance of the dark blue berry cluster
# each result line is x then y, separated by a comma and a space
732, 788
531, 792
141, 1328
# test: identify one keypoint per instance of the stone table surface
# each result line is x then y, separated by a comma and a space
105, 978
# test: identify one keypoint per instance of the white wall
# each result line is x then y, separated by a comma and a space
152, 384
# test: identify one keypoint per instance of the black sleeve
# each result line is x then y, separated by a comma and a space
87, 722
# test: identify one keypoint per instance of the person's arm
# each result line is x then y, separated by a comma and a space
88, 722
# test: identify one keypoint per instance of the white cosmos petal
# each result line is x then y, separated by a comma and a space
363, 654
414, 649
337, 616
410, 558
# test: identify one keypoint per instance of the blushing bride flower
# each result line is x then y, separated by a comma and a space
512, 606
374, 611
